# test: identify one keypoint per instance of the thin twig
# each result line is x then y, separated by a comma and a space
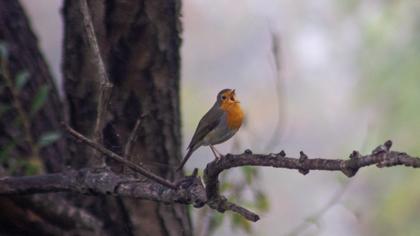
132, 138
127, 152
105, 86
136, 167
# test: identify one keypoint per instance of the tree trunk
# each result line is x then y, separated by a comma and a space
139, 42
24, 216
24, 55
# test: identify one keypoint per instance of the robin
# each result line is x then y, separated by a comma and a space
219, 124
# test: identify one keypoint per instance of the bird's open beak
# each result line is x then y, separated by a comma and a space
233, 94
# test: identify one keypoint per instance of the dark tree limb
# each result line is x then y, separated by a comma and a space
382, 156
105, 182
136, 167
59, 211
190, 190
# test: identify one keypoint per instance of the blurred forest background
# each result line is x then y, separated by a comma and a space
345, 76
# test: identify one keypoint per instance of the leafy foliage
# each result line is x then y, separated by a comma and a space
21, 79
14, 154
240, 186
48, 138
39, 99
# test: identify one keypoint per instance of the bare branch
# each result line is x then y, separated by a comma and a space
105, 86
136, 167
105, 182
59, 209
381, 157
190, 190
132, 138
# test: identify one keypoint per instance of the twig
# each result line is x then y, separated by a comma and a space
132, 138
105, 86
136, 167
381, 156
190, 189
127, 152
58, 208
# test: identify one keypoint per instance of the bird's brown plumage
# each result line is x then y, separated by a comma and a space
219, 124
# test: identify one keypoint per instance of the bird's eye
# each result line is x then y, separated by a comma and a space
232, 98
223, 97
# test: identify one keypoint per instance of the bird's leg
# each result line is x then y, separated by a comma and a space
216, 153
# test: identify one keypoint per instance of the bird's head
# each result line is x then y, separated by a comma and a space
226, 97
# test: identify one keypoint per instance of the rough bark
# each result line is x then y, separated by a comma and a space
190, 190
50, 215
139, 42
24, 55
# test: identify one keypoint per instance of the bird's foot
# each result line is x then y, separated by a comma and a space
217, 154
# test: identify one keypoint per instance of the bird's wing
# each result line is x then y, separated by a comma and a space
209, 121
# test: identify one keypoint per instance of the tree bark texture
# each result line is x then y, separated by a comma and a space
24, 55
139, 42
19, 216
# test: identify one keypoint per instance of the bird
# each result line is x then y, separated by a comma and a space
219, 124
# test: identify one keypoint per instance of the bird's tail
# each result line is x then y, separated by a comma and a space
187, 156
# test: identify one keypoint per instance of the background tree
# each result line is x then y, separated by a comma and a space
326, 60
139, 43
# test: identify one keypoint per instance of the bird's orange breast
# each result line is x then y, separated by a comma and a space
235, 115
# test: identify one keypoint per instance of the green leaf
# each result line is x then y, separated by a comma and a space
239, 222
216, 221
314, 221
262, 202
31, 167
48, 138
39, 99
250, 172
224, 186
21, 79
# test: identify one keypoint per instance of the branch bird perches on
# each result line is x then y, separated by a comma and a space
190, 189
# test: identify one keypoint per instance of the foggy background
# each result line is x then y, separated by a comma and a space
347, 78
